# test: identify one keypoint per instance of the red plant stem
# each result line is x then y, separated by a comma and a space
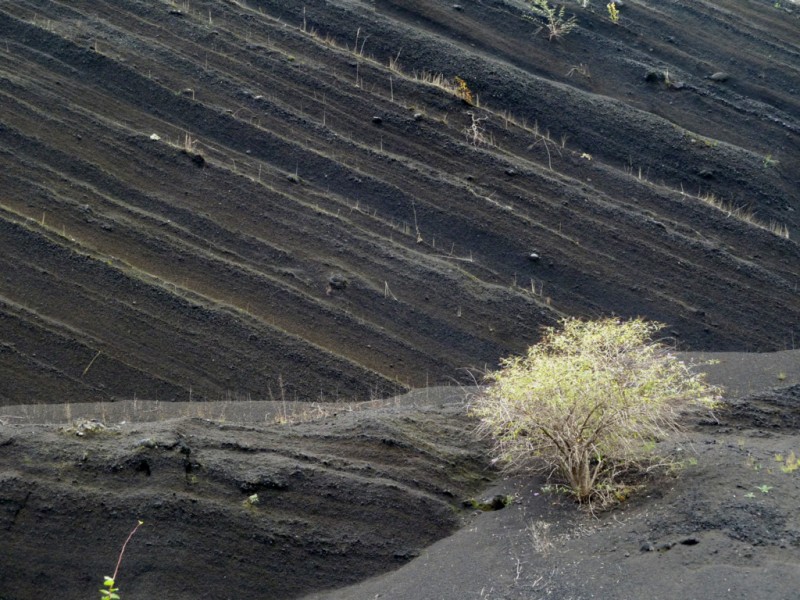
122, 552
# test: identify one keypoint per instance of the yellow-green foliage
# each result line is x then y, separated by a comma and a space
587, 403
556, 22
463, 91
613, 12
791, 463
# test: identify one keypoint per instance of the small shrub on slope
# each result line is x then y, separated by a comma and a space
556, 23
587, 404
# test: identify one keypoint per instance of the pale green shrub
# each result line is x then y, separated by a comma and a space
587, 404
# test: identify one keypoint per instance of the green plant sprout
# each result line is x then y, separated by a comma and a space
108, 591
769, 161
764, 488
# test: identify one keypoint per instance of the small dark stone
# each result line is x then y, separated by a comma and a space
653, 76
719, 77
293, 178
418, 116
510, 172
493, 503
678, 85
176, 12
337, 282
647, 547
377, 120
690, 541
706, 173
533, 256
665, 546
199, 160
457, 7
498, 502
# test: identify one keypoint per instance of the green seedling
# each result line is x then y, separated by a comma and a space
764, 488
769, 161
108, 591
749, 495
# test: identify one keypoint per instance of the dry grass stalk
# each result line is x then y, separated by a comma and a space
745, 215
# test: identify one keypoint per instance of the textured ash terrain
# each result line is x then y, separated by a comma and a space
217, 214
316, 220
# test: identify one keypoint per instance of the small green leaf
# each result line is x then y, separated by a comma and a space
107, 581
114, 597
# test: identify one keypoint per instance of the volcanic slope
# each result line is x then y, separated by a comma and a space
264, 199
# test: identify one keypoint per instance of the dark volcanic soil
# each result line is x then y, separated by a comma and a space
270, 200
336, 500
367, 493
210, 199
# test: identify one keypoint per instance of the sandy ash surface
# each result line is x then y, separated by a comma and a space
370, 503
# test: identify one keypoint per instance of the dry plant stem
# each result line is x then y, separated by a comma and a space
476, 133
125, 545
